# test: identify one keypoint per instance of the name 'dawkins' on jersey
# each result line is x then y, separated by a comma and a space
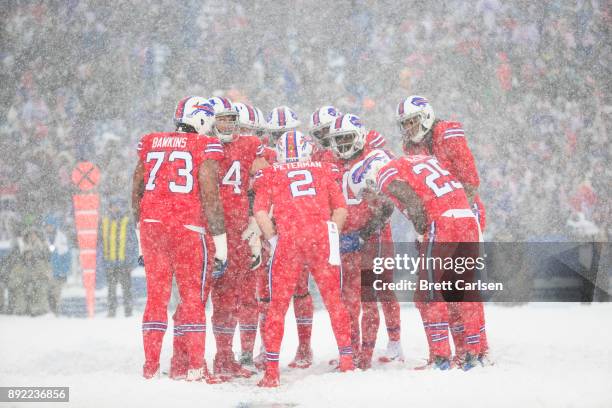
423, 284
173, 142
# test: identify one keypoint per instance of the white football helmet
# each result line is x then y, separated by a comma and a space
247, 117
226, 119
194, 113
420, 111
320, 122
261, 122
280, 120
347, 136
363, 173
293, 146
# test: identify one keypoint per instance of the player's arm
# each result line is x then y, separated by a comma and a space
336, 198
464, 168
403, 193
470, 192
212, 206
261, 209
381, 211
258, 164
138, 188
339, 216
209, 194
265, 224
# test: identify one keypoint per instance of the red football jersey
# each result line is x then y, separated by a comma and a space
234, 175
171, 162
451, 149
302, 193
324, 155
269, 154
374, 140
359, 211
437, 188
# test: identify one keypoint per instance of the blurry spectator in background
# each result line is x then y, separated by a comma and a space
117, 253
29, 274
4, 274
60, 260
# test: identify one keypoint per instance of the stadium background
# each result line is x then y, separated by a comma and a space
531, 83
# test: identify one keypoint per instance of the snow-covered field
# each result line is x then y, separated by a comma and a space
547, 355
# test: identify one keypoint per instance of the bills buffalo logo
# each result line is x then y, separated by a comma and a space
206, 108
356, 121
362, 170
332, 112
419, 101
293, 115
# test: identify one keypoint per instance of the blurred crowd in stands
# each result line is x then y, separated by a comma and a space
83, 80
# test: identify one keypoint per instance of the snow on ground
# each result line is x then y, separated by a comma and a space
547, 355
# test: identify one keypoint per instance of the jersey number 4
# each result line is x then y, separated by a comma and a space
184, 171
232, 177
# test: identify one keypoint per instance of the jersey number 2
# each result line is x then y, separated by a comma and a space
298, 187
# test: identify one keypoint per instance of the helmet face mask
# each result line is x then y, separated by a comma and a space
226, 126
410, 128
226, 118
275, 136
415, 118
320, 123
321, 136
347, 136
343, 142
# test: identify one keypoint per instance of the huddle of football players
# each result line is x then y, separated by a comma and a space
247, 210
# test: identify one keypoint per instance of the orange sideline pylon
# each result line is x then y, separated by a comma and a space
85, 177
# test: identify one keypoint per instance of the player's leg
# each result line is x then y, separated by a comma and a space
484, 344
469, 307
223, 300
228, 302
391, 311
329, 281
190, 259
481, 216
351, 295
303, 310
370, 318
263, 301
282, 277
431, 304
154, 240
457, 328
248, 317
180, 357
389, 303
370, 321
